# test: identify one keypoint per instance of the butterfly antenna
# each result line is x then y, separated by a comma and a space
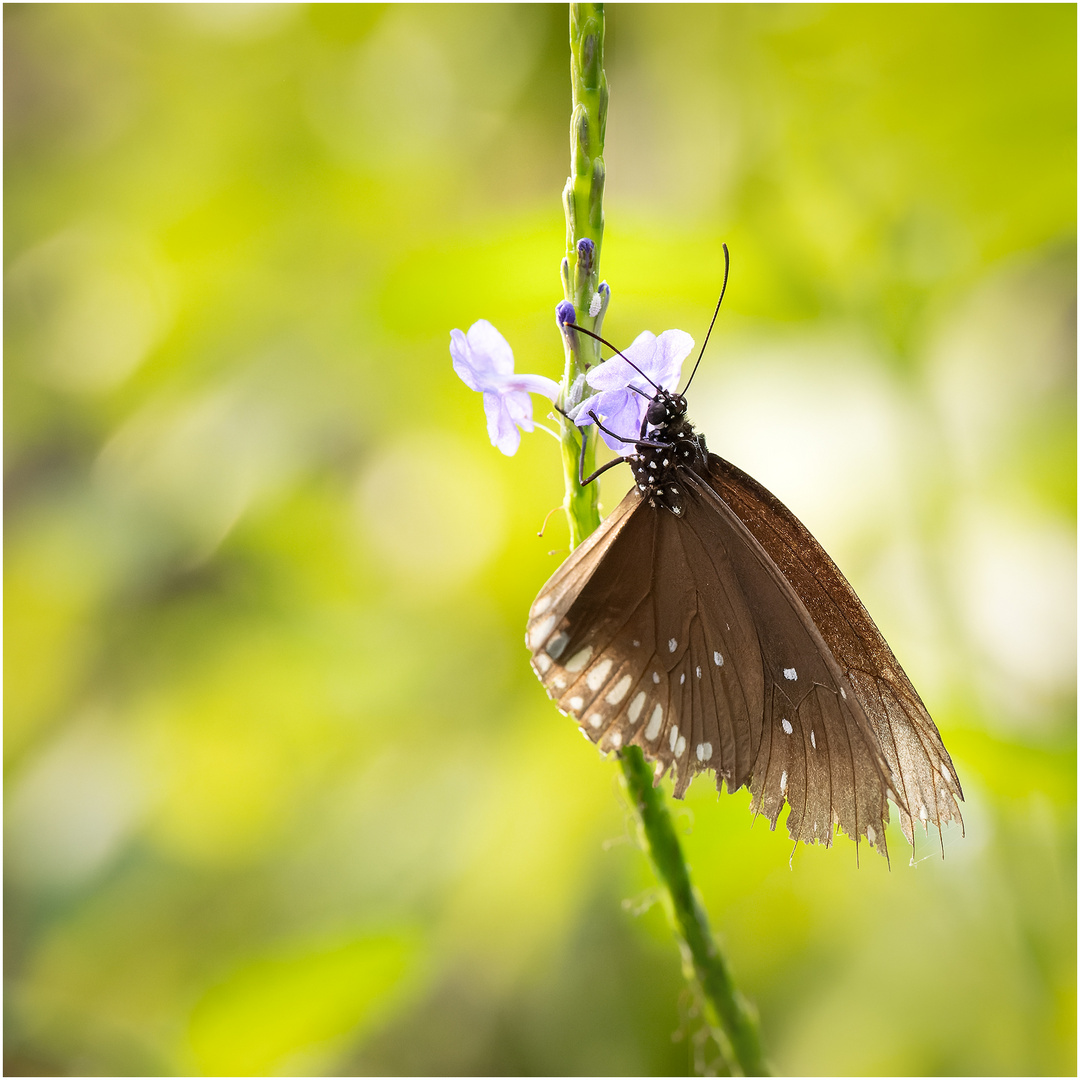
604, 341
723, 289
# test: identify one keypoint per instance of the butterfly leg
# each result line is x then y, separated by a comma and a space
608, 431
637, 442
641, 440
582, 478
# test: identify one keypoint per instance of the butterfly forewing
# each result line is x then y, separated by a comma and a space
627, 638
706, 639
922, 771
726, 696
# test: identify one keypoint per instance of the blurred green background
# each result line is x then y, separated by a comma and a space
283, 795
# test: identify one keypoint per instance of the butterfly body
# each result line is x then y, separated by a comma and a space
703, 623
672, 445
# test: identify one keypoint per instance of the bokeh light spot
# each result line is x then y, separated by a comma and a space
433, 509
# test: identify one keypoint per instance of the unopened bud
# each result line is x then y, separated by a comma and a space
586, 253
564, 313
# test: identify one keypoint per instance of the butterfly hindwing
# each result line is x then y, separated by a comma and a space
817, 751
921, 768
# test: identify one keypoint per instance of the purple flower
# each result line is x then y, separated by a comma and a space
484, 361
619, 407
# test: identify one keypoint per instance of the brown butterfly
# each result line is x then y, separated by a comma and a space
703, 623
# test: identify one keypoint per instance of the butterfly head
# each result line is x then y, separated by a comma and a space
666, 410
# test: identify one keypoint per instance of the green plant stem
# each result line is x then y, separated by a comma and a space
583, 200
702, 960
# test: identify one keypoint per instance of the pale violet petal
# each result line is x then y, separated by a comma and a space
672, 348
615, 373
580, 412
600, 404
649, 362
501, 428
641, 349
518, 407
533, 384
621, 411
462, 360
491, 352
624, 411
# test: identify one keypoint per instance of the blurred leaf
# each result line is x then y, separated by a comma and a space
277, 1012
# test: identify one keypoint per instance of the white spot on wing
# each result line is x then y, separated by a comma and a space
538, 634
673, 735
654, 723
783, 782
680, 746
672, 645
790, 674
813, 740
923, 815
697, 671
843, 693
636, 706
595, 720
717, 659
543, 662
579, 659
619, 690
656, 676
786, 725
870, 834
944, 773
616, 740
704, 751
598, 675
575, 703
541, 604
559, 682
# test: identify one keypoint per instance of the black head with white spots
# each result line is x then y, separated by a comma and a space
666, 411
